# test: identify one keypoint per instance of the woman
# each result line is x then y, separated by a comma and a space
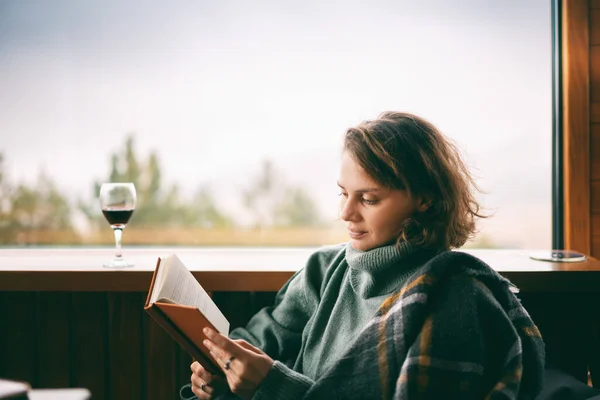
392, 313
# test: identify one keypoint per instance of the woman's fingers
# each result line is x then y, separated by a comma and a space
245, 366
248, 346
199, 370
224, 350
223, 343
201, 384
201, 393
201, 380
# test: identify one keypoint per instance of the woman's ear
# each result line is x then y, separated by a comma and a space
423, 204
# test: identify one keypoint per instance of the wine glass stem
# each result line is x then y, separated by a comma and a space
118, 234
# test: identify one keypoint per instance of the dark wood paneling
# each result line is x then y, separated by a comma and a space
117, 351
595, 194
53, 338
594, 3
595, 113
567, 333
20, 346
3, 334
89, 332
125, 345
184, 360
596, 244
160, 362
595, 225
594, 71
594, 27
595, 152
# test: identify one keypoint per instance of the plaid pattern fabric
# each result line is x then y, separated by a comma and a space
454, 331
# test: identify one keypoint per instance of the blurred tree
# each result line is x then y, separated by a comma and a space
263, 195
7, 225
41, 207
24, 209
272, 203
157, 206
202, 212
297, 208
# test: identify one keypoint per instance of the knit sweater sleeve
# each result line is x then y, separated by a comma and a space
283, 383
277, 329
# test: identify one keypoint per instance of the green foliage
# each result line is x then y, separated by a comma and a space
297, 208
158, 205
25, 209
272, 203
41, 207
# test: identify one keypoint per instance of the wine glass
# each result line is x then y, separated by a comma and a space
117, 201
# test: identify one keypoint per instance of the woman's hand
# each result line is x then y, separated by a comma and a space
204, 384
245, 366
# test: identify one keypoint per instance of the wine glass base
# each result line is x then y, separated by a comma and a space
118, 263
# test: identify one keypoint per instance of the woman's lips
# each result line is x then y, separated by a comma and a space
356, 234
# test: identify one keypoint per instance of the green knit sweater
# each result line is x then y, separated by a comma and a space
322, 309
452, 329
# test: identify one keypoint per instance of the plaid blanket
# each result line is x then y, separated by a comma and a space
454, 331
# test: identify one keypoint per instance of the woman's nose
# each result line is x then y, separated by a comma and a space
348, 211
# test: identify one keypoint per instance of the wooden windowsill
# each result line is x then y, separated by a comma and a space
243, 269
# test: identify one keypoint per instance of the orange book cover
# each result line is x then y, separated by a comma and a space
184, 324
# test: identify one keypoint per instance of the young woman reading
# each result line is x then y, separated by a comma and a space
393, 313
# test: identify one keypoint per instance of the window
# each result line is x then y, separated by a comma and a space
228, 115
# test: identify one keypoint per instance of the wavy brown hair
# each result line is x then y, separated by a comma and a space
403, 151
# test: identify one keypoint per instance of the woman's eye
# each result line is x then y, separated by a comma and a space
370, 202
343, 194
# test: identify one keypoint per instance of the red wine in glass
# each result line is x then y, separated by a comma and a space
118, 201
117, 216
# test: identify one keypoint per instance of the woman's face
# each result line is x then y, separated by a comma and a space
373, 213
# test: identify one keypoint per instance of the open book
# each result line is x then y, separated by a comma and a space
182, 307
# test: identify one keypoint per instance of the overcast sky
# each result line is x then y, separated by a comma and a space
216, 86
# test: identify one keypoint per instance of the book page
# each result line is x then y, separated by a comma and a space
176, 284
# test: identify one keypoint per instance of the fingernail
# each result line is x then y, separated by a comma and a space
206, 331
205, 342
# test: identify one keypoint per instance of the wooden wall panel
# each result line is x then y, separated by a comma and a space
594, 27
594, 70
152, 366
576, 119
160, 364
595, 197
596, 244
594, 148
126, 346
595, 154
595, 113
595, 225
183, 360
3, 335
104, 342
557, 318
53, 340
20, 346
89, 332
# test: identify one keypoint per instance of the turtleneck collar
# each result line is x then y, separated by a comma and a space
381, 270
